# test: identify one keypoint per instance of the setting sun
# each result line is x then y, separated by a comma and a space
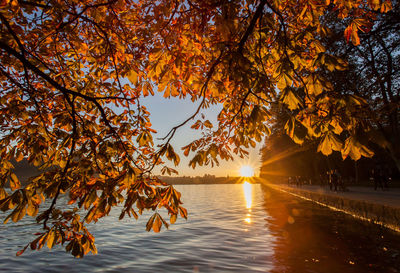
246, 171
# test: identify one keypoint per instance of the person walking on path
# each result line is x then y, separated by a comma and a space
330, 182
340, 181
298, 184
387, 176
335, 179
377, 175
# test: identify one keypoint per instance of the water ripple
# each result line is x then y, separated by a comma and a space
221, 235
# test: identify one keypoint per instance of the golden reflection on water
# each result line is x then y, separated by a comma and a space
248, 192
248, 196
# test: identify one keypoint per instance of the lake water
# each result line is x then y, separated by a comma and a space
231, 228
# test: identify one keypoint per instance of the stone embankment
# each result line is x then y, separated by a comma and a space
380, 207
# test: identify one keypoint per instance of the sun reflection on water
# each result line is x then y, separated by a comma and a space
248, 196
248, 190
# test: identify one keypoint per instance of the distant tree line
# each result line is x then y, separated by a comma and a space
206, 179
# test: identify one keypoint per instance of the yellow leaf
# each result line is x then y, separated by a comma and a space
303, 11
62, 163
167, 92
355, 149
365, 151
183, 212
150, 222
386, 6
18, 213
356, 100
157, 223
289, 127
14, 182
328, 143
3, 194
208, 124
336, 143
319, 47
144, 138
336, 126
133, 77
186, 151
51, 239
173, 218
284, 80
354, 37
19, 156
174, 91
290, 99
324, 146
146, 89
171, 155
32, 209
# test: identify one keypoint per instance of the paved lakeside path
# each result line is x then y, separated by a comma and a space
381, 207
390, 197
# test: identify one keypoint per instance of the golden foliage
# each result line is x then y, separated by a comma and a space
73, 73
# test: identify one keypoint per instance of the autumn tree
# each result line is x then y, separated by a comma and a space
374, 75
73, 73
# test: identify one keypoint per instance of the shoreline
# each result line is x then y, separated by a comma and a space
368, 206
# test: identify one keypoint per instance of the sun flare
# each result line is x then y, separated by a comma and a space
246, 171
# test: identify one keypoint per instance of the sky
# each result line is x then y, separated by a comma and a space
167, 113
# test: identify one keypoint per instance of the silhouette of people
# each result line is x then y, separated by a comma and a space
387, 176
377, 174
298, 183
339, 181
330, 180
335, 179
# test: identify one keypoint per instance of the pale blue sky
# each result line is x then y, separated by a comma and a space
167, 113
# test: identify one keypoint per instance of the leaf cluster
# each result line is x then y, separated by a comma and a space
73, 74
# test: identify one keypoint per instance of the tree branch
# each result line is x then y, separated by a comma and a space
52, 82
252, 24
172, 132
